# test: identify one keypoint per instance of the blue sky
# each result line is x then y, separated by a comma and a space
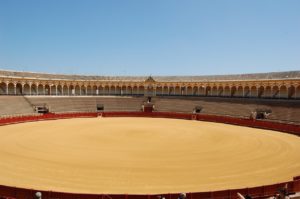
143, 37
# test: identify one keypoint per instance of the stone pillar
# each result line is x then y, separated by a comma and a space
30, 84
22, 90
7, 88
15, 87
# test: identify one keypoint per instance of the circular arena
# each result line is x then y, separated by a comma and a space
141, 137
143, 155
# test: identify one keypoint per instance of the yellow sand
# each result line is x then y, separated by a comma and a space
143, 155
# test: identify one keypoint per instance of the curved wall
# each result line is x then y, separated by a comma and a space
285, 87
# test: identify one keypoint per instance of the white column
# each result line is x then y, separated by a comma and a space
22, 91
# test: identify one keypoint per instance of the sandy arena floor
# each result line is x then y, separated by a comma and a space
143, 155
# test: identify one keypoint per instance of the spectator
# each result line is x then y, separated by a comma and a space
182, 196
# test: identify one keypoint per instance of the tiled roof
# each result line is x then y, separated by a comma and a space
254, 76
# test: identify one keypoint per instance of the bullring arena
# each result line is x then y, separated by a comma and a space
139, 137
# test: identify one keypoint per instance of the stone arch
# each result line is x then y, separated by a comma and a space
226, 91
11, 89
47, 90
246, 91
275, 92
177, 90
89, 90
240, 92
19, 89
77, 90
141, 90
83, 90
129, 90
233, 91
159, 90
59, 90
72, 89
268, 92
195, 91
208, 91
253, 91
171, 90
123, 90
113, 90
202, 90
94, 90
214, 91
26, 89
149, 90
2, 88
260, 92
189, 90
165, 90
135, 90
283, 92
40, 89
65, 90
291, 92
34, 89
53, 90
101, 90
106, 90
220, 91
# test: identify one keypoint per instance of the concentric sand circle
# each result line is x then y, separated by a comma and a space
143, 155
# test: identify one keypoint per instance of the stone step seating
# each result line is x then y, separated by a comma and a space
286, 111
121, 103
88, 104
66, 104
14, 105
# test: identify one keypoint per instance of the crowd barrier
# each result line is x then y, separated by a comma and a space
49, 116
256, 192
